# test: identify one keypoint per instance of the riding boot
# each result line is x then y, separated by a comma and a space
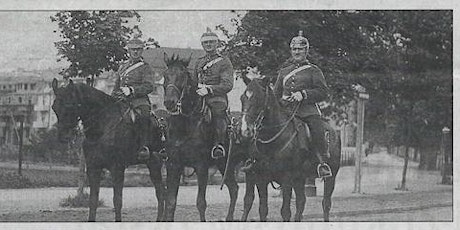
144, 128
320, 145
220, 130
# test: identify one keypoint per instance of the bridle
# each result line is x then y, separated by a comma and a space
258, 126
179, 110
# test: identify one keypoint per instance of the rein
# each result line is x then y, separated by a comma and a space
258, 126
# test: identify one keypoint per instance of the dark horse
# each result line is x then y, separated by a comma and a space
277, 146
110, 141
189, 139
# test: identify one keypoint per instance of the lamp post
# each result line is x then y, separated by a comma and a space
447, 151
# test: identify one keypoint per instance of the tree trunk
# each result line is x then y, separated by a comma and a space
81, 171
81, 162
406, 162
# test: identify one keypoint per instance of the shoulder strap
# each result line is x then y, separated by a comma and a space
211, 63
293, 72
131, 68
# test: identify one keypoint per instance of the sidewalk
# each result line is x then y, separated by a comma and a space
380, 176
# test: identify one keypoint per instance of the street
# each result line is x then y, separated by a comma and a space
426, 199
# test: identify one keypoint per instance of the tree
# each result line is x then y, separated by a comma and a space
93, 42
402, 58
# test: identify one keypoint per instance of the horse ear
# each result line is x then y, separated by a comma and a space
189, 58
70, 83
245, 78
90, 81
165, 57
54, 84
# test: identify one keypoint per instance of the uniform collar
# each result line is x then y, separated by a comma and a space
211, 56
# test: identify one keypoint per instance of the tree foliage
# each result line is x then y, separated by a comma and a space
94, 41
402, 58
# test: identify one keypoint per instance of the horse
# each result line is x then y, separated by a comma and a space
110, 140
281, 157
189, 140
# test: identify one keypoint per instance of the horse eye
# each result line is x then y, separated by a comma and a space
249, 94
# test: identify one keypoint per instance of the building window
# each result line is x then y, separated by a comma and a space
32, 86
25, 86
20, 100
9, 100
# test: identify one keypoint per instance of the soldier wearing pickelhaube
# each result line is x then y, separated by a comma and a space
214, 74
300, 81
134, 81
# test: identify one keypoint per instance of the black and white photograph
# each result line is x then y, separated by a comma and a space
227, 115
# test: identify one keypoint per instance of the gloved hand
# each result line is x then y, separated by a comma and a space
297, 96
126, 90
202, 91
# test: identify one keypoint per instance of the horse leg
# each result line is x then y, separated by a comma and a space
248, 196
300, 200
232, 186
172, 181
202, 174
118, 178
94, 178
157, 180
329, 185
263, 200
286, 207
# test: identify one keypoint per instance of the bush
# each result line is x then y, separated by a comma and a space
78, 201
14, 180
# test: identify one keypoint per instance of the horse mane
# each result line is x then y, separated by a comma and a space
86, 90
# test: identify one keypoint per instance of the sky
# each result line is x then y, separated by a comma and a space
27, 37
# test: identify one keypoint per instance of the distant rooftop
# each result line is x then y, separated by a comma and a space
153, 56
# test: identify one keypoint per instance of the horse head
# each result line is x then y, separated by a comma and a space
255, 102
67, 107
177, 82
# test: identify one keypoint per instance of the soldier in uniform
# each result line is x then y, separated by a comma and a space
214, 75
299, 81
135, 79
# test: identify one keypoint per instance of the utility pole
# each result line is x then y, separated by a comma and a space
362, 97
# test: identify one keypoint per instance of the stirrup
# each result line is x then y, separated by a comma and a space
144, 149
328, 172
214, 149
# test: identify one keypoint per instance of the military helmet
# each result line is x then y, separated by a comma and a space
299, 41
209, 36
135, 43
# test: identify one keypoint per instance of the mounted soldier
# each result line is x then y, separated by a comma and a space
299, 81
214, 75
134, 81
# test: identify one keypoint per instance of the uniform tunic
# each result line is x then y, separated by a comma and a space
310, 81
141, 79
216, 72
